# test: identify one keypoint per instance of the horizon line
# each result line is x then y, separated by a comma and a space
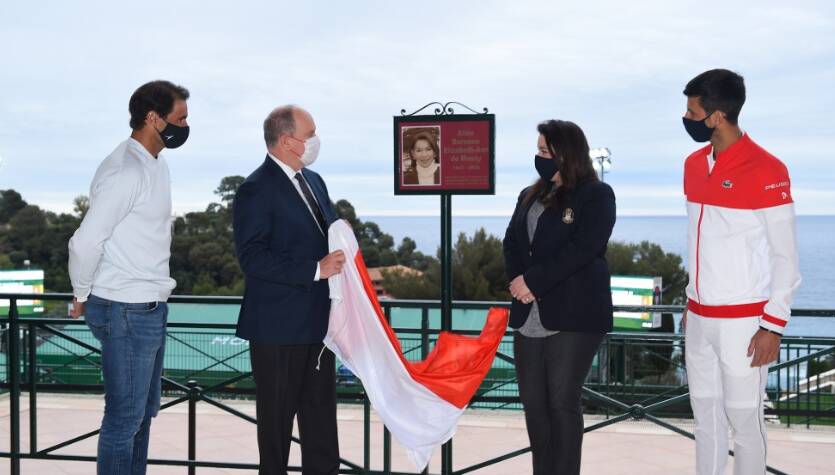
436, 214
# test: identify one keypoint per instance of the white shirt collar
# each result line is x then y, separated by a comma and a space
147, 159
291, 174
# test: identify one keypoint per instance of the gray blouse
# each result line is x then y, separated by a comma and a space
533, 325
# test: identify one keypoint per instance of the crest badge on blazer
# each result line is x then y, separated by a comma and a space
568, 216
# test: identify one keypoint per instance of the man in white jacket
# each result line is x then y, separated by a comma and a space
119, 270
743, 273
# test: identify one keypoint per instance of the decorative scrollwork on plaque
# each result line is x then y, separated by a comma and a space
450, 111
444, 109
438, 110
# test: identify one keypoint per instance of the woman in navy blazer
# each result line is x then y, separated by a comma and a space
555, 259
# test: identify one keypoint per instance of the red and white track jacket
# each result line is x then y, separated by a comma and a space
741, 235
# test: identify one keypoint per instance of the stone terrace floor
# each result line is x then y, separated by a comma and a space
623, 448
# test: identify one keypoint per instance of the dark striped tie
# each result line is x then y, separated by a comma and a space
317, 212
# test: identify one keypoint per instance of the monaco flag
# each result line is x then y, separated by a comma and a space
419, 402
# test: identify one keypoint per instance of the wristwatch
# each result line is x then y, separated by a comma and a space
771, 331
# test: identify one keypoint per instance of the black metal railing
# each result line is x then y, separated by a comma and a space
637, 376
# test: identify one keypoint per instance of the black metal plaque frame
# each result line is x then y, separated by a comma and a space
444, 114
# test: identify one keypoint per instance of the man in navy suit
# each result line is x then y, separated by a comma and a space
281, 217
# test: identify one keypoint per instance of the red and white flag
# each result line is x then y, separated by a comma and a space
419, 402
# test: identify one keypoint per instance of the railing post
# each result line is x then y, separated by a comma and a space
386, 451
14, 388
366, 432
446, 458
424, 332
33, 390
424, 344
794, 383
386, 434
446, 299
193, 396
622, 374
809, 385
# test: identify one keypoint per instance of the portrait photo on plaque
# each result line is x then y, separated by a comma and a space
421, 156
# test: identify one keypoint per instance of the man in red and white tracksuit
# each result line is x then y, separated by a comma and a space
743, 273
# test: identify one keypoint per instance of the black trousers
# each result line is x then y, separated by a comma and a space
288, 385
551, 372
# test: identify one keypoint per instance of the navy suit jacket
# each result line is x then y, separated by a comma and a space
279, 244
564, 262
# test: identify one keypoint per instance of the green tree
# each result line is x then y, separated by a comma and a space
228, 187
477, 272
409, 256
10, 203
5, 262
403, 284
377, 247
60, 229
41, 238
820, 365
27, 228
478, 268
203, 260
81, 204
17, 258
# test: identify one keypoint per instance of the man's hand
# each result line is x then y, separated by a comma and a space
77, 308
331, 264
765, 346
520, 291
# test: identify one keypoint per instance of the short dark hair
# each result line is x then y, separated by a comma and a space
158, 96
719, 89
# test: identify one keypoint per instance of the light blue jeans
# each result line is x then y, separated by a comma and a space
132, 337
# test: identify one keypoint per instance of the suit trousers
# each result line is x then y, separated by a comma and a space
290, 381
551, 372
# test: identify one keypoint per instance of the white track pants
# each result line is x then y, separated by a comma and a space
724, 389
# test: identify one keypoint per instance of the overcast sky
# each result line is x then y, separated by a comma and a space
616, 68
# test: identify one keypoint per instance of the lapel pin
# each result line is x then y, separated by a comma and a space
568, 216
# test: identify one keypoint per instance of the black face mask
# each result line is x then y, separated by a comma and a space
173, 135
546, 167
698, 129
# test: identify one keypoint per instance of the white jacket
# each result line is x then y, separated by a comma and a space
741, 235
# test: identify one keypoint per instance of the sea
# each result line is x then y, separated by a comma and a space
815, 237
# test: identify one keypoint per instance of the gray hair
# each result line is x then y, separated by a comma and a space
279, 122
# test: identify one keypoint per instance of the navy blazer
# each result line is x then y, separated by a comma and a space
279, 244
564, 263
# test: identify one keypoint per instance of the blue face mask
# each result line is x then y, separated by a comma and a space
546, 167
698, 129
